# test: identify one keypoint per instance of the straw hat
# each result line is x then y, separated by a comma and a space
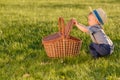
100, 15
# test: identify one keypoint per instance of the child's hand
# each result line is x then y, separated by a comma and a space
74, 21
80, 26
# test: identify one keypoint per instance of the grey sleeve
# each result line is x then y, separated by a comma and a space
92, 29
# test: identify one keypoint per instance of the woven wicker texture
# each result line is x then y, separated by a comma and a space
61, 44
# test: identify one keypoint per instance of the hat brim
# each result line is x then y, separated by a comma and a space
92, 11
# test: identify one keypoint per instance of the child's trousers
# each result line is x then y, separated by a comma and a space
98, 50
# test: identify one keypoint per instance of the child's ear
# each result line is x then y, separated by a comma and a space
97, 21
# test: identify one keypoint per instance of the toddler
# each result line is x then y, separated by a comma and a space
101, 44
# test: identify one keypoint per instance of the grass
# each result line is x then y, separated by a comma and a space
23, 24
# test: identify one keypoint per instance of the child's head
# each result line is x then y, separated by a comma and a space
92, 20
97, 16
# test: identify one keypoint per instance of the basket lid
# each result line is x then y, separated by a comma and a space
64, 31
52, 37
68, 28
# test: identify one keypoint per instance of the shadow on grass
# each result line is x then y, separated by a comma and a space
51, 5
47, 5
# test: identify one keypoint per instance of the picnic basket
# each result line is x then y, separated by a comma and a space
61, 44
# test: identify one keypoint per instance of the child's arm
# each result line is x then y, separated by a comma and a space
80, 26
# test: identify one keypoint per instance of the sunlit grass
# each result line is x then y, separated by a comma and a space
23, 24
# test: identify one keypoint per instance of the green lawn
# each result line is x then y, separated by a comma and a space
23, 24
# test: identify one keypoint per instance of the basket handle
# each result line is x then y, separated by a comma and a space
61, 26
68, 28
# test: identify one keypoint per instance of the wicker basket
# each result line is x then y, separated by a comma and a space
61, 44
